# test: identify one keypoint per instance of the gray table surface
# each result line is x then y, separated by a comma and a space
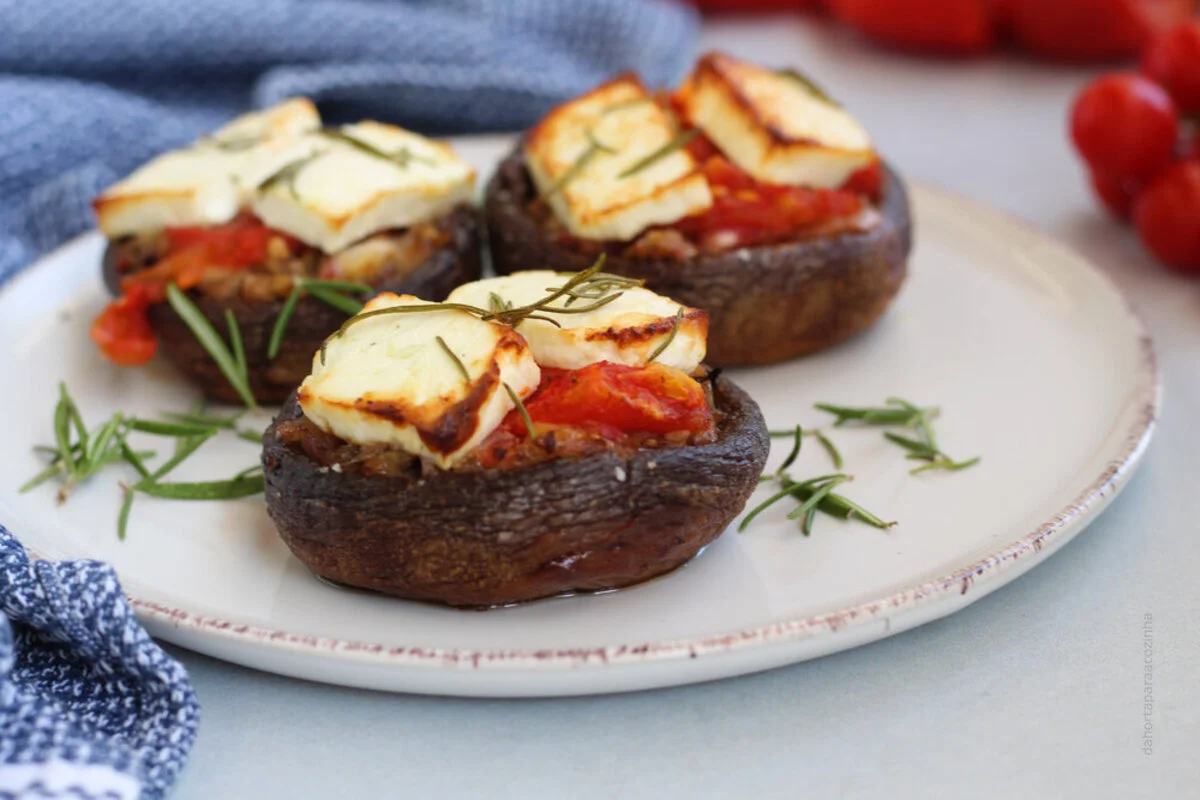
1034, 691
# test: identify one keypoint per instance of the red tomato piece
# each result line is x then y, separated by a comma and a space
1168, 216
1125, 125
947, 27
1083, 30
123, 331
1173, 61
653, 399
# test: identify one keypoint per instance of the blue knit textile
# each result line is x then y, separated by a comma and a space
89, 89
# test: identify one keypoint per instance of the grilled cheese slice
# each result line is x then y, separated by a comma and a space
387, 380
360, 179
774, 125
207, 183
578, 153
626, 331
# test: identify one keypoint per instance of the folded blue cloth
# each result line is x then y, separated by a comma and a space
89, 705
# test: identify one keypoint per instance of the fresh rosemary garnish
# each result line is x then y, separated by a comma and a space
808, 83
893, 414
815, 494
899, 411
287, 174
516, 398
797, 444
586, 284
401, 158
819, 435
79, 454
329, 292
677, 142
462, 368
232, 365
662, 347
594, 148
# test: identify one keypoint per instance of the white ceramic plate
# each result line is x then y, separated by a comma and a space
1037, 362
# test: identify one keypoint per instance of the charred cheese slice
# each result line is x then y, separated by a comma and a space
387, 380
347, 184
577, 156
773, 125
207, 183
626, 331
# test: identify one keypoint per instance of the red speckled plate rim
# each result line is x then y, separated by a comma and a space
985, 572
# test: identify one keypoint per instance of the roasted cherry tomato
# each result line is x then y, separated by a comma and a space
652, 399
949, 27
1125, 126
1167, 214
1173, 61
1117, 194
123, 332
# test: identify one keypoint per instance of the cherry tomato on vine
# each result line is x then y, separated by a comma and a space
1173, 61
1125, 126
1167, 214
1117, 194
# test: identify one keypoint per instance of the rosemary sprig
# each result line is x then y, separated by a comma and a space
173, 429
677, 142
203, 420
797, 444
233, 368
329, 292
401, 158
594, 148
813, 88
516, 398
905, 415
242, 486
235, 341
583, 283
834, 455
926, 448
462, 368
662, 347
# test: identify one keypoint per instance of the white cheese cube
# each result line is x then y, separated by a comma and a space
577, 156
626, 331
772, 125
289, 119
387, 380
362, 179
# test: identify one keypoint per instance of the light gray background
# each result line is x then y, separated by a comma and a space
1034, 691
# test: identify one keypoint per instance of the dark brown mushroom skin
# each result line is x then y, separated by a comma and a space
766, 304
501, 536
272, 380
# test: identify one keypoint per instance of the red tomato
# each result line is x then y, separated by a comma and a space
1173, 60
123, 332
1117, 194
1125, 126
653, 398
947, 27
1168, 216
1078, 30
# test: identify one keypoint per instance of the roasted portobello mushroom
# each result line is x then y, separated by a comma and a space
746, 193
473, 454
287, 227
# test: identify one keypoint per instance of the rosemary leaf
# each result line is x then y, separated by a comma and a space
235, 339
813, 88
187, 447
205, 490
917, 449
204, 332
133, 458
814, 499
834, 455
677, 142
126, 507
250, 436
462, 368
157, 428
203, 420
281, 322
658, 351
43, 476
529, 429
347, 305
791, 457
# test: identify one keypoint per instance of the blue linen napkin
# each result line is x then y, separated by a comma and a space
89, 705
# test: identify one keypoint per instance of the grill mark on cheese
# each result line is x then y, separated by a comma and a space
628, 337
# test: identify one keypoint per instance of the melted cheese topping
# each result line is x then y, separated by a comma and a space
626, 331
387, 380
372, 177
577, 154
773, 126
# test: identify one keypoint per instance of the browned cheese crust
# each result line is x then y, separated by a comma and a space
500, 536
272, 380
767, 304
